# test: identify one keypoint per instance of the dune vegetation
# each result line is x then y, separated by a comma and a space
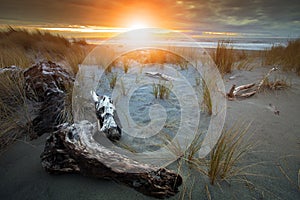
13, 108
223, 57
287, 57
22, 48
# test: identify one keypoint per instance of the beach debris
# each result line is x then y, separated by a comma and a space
45, 76
266, 77
47, 84
232, 77
273, 109
105, 112
159, 76
237, 91
72, 149
247, 90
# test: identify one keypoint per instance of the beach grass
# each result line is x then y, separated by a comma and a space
162, 90
245, 64
76, 56
66, 114
125, 65
22, 48
224, 57
275, 83
155, 89
173, 146
113, 80
194, 147
206, 102
225, 160
224, 157
13, 56
14, 109
286, 56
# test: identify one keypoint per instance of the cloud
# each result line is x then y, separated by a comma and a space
200, 15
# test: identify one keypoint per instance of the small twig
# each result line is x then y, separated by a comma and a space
207, 192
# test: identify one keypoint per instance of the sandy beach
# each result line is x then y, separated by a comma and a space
275, 157
154, 99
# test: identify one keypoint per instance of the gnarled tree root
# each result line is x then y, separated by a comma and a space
72, 149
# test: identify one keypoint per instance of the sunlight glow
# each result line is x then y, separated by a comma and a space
138, 25
86, 29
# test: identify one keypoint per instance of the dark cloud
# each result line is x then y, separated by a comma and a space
261, 16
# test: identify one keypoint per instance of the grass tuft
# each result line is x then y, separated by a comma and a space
224, 157
288, 57
194, 147
224, 57
113, 80
173, 145
13, 56
206, 103
277, 83
14, 108
162, 90
22, 48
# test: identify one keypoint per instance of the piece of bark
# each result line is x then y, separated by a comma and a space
72, 149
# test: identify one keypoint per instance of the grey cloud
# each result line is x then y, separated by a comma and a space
201, 15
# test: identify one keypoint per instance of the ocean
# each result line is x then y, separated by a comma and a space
241, 43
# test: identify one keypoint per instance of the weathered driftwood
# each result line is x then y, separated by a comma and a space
159, 76
72, 149
243, 90
235, 91
43, 77
47, 84
105, 112
265, 77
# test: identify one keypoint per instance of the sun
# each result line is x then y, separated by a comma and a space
138, 25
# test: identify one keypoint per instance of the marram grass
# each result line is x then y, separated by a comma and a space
287, 57
22, 48
224, 57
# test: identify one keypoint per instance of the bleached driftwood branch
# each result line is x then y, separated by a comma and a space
160, 76
105, 112
265, 77
243, 90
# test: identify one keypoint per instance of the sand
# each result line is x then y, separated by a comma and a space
277, 150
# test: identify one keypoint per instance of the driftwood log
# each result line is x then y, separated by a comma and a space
247, 90
47, 84
72, 149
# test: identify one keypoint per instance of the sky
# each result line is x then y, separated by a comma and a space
195, 17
